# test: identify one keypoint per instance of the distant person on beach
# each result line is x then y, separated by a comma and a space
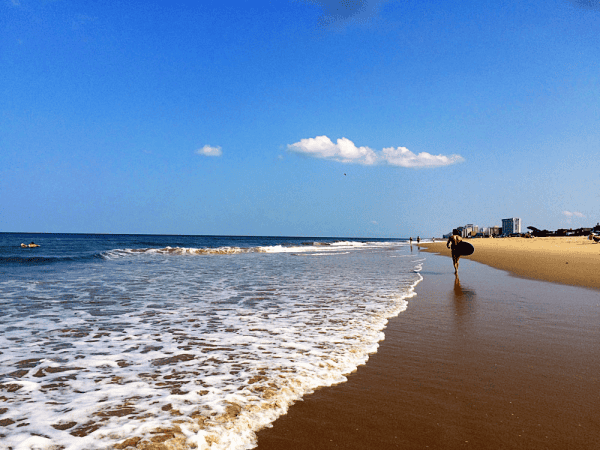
410, 240
452, 243
418, 240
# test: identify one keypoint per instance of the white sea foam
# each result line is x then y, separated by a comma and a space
197, 351
333, 247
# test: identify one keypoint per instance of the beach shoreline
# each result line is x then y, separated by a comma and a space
573, 261
485, 360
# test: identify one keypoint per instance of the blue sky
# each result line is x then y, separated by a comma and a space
305, 118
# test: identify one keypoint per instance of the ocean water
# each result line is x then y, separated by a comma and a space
190, 341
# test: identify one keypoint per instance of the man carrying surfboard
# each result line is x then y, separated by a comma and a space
453, 245
459, 248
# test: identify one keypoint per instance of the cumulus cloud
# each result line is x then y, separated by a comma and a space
570, 214
207, 150
403, 157
345, 151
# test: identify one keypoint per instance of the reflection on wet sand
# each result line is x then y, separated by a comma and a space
464, 299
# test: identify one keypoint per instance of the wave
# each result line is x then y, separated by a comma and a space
218, 354
119, 253
280, 248
315, 248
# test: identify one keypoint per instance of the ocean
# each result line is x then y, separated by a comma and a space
191, 341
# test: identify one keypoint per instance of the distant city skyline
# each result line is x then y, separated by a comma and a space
510, 226
298, 118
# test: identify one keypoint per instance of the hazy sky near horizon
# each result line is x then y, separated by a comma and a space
304, 118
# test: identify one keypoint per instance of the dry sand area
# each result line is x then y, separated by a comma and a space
566, 260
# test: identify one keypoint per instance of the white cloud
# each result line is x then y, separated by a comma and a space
207, 150
574, 213
403, 157
345, 151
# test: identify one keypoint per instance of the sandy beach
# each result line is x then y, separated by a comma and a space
484, 361
567, 260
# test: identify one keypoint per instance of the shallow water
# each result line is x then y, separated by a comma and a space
196, 345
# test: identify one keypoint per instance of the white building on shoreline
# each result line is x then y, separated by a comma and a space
511, 226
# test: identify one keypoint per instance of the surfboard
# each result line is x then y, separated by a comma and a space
464, 248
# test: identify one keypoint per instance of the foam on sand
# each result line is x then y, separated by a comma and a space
190, 351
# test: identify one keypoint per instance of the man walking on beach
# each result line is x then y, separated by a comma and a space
452, 243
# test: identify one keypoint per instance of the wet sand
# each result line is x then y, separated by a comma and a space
567, 260
489, 361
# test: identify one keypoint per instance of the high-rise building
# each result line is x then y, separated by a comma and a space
470, 230
511, 226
